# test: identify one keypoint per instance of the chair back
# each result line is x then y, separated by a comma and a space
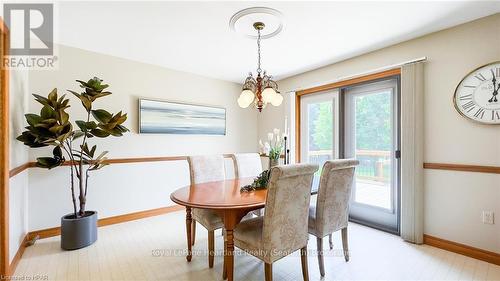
287, 207
334, 194
246, 165
206, 168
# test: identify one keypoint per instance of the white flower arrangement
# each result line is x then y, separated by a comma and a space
274, 146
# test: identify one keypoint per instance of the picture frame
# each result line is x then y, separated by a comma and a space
180, 118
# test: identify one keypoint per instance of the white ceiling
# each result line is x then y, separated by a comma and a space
195, 36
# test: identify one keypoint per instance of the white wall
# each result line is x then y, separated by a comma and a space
18, 185
453, 200
124, 188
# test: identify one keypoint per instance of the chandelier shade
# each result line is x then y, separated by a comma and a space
261, 90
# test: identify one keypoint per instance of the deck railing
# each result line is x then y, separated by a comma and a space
374, 165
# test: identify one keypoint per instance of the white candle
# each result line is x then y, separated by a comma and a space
286, 125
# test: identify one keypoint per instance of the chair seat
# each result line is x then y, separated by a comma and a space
208, 218
248, 235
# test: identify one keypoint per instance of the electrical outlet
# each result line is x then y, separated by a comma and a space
488, 217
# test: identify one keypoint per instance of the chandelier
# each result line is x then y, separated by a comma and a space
262, 89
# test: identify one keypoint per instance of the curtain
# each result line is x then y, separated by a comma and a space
412, 137
290, 120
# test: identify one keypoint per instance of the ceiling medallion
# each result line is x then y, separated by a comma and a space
262, 89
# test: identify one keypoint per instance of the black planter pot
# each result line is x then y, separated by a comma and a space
77, 233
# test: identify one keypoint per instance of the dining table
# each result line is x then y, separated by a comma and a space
227, 200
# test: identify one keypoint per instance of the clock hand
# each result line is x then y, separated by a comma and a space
495, 89
495, 93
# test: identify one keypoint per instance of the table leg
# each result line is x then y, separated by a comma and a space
229, 254
231, 218
189, 221
224, 268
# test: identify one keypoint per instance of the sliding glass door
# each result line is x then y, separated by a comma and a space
371, 130
319, 129
359, 122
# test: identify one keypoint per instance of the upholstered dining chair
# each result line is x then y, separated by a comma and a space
248, 165
206, 168
329, 211
282, 230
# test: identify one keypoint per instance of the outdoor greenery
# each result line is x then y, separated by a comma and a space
323, 127
52, 127
373, 123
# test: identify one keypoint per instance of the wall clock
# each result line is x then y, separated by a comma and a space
477, 96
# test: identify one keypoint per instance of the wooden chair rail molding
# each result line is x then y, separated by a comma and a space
21, 168
432, 166
463, 168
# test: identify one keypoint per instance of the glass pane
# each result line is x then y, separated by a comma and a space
374, 142
320, 124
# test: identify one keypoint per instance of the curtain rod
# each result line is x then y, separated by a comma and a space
380, 69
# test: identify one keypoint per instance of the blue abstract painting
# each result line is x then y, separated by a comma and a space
161, 117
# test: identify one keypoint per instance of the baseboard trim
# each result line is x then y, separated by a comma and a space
54, 231
462, 249
17, 257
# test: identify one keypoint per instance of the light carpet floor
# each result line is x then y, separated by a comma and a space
154, 249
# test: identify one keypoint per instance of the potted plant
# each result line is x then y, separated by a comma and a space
273, 147
52, 127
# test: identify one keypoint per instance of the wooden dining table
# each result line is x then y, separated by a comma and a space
226, 199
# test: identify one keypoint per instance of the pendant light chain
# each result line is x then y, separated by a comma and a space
259, 70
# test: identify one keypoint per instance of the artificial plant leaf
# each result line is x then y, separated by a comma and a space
116, 132
85, 148
64, 116
64, 104
93, 84
92, 151
82, 125
101, 156
102, 94
53, 96
48, 162
86, 102
101, 115
74, 93
86, 126
65, 132
57, 152
33, 119
30, 140
99, 133
91, 125
78, 134
57, 129
42, 100
47, 112
61, 99
122, 128
98, 166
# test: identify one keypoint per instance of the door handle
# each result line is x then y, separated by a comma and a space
397, 154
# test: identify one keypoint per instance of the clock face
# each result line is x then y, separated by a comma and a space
477, 97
